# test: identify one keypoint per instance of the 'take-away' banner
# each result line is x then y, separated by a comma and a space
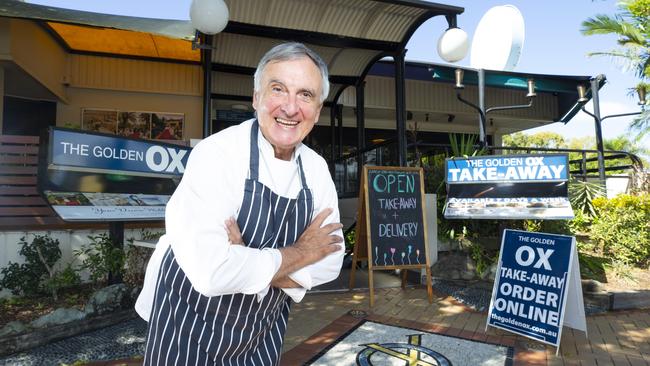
514, 168
95, 152
508, 187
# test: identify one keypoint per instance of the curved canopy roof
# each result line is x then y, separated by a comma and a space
350, 35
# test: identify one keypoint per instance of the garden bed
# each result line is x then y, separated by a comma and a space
26, 309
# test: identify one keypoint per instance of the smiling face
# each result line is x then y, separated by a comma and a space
288, 103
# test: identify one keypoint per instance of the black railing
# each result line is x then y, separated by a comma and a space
347, 174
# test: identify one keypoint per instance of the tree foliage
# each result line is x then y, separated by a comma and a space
539, 139
557, 141
631, 25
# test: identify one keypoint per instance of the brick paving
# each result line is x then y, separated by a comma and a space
614, 338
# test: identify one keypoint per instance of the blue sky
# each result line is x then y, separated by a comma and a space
553, 45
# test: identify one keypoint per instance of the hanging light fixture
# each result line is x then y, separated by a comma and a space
531, 89
209, 16
582, 94
453, 45
459, 73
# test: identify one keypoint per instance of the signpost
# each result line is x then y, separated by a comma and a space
537, 289
391, 223
98, 177
508, 187
93, 177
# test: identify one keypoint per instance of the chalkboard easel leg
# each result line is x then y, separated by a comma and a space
404, 273
371, 287
353, 269
429, 285
352, 273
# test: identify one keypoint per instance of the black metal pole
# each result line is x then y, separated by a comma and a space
116, 236
595, 82
361, 127
339, 148
400, 106
339, 130
206, 58
481, 105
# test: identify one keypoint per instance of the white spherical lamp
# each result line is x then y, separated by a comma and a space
209, 16
453, 45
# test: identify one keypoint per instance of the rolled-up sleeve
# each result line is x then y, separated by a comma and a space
209, 193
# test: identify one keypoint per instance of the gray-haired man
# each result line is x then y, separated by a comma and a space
215, 294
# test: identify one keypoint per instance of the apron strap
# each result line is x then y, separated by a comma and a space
254, 157
302, 173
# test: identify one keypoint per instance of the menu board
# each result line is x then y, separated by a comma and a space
396, 216
391, 231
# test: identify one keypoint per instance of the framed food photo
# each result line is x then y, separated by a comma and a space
134, 124
167, 126
99, 120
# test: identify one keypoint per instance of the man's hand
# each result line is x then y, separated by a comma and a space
234, 234
314, 244
317, 242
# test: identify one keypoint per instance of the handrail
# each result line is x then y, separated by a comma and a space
635, 159
346, 190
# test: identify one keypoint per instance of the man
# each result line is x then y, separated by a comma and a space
208, 298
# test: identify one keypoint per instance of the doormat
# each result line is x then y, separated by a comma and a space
374, 343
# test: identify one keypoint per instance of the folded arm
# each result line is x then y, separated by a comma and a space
318, 241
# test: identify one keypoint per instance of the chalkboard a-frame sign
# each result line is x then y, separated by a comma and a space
391, 228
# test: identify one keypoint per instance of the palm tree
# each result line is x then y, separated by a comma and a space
632, 26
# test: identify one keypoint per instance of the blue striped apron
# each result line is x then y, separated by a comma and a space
187, 328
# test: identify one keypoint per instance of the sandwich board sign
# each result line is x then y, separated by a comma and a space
537, 289
391, 228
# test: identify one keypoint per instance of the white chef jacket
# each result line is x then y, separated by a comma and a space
212, 190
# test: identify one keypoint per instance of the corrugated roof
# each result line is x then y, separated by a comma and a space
350, 35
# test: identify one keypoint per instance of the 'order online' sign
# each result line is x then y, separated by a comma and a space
531, 285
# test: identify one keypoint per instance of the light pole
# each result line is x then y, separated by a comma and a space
480, 108
595, 82
208, 17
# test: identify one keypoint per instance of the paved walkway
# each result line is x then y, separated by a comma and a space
615, 338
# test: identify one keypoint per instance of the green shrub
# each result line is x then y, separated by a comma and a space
66, 278
37, 275
350, 240
483, 258
621, 228
548, 226
101, 258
